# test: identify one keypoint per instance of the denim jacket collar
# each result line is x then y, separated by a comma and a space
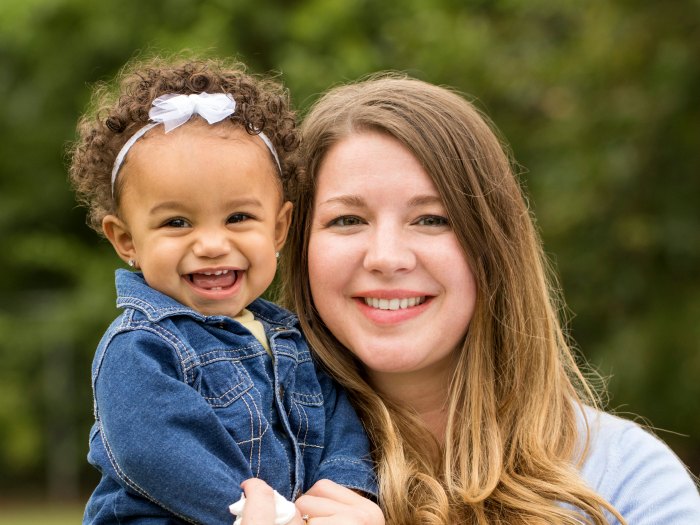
133, 292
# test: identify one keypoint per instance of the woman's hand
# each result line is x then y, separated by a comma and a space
328, 503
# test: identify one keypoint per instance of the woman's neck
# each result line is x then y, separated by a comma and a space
423, 391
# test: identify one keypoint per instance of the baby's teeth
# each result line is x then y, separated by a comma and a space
217, 272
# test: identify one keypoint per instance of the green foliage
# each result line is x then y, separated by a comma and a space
597, 99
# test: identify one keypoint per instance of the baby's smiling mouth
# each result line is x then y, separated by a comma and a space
213, 280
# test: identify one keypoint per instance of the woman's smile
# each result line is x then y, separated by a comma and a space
395, 303
392, 311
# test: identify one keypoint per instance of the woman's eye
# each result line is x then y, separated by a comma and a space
432, 220
238, 217
347, 220
176, 223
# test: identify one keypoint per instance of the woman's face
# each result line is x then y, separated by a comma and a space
387, 274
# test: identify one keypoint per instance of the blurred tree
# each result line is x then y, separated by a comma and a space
597, 99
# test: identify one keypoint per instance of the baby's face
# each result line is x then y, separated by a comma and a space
204, 214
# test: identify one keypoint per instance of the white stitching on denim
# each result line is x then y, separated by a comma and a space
271, 381
306, 430
130, 481
176, 344
244, 385
135, 326
253, 346
252, 434
155, 314
284, 323
348, 460
129, 325
314, 400
311, 445
289, 479
258, 411
189, 360
299, 411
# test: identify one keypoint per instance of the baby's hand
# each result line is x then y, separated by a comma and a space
263, 506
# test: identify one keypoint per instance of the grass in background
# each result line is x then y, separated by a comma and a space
41, 514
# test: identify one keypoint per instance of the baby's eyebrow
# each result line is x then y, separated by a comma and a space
170, 206
166, 206
244, 201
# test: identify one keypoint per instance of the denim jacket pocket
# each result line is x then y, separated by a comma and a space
306, 418
223, 381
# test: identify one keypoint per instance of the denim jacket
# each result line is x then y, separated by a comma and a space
188, 406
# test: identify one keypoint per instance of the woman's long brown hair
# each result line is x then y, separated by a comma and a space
509, 454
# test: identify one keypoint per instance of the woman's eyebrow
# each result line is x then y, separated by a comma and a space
423, 200
354, 201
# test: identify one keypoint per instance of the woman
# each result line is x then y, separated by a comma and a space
422, 286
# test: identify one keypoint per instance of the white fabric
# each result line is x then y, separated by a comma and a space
284, 510
173, 111
126, 147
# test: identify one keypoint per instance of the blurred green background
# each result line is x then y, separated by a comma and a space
598, 99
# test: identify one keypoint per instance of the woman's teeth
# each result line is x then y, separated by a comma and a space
393, 304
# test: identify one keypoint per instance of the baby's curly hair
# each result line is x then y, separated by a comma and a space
120, 108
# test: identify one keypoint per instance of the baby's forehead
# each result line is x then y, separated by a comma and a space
196, 125
197, 132
201, 148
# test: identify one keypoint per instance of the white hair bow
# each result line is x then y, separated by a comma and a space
174, 110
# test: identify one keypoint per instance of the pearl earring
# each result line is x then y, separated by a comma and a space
132, 263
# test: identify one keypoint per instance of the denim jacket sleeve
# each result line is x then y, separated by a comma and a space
162, 438
346, 458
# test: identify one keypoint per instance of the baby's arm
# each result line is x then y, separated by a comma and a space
163, 440
346, 456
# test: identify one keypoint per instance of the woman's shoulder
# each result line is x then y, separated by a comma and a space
636, 471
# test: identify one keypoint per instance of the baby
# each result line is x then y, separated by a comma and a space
200, 384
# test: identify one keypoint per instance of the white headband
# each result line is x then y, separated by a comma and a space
174, 110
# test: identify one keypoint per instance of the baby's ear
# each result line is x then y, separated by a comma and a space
117, 232
284, 219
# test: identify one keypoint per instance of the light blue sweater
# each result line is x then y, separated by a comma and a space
638, 474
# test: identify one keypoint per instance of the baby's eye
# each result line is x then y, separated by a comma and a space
177, 222
432, 220
346, 220
238, 217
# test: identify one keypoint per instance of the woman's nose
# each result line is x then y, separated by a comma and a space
389, 250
